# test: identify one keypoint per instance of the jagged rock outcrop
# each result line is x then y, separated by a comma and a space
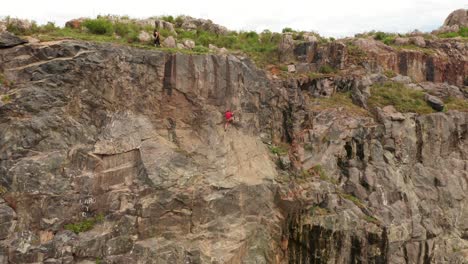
136, 137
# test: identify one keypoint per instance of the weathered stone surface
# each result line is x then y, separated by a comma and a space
418, 41
144, 37
8, 40
161, 24
286, 47
169, 42
458, 17
190, 23
402, 41
190, 44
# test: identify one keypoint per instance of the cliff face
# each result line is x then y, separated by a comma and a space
131, 143
433, 60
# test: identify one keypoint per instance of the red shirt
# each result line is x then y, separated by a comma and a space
228, 115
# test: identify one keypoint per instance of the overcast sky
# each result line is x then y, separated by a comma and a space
337, 18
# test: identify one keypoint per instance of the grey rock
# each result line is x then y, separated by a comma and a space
435, 102
169, 42
8, 40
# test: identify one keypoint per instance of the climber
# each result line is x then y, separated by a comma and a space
229, 118
156, 38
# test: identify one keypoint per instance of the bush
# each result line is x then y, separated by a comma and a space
380, 35
278, 150
200, 49
99, 26
287, 29
168, 19
84, 225
47, 28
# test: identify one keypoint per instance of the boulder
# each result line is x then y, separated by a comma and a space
435, 102
144, 36
213, 48
458, 17
402, 79
169, 42
401, 41
161, 24
181, 46
8, 40
75, 23
418, 41
310, 38
189, 44
291, 68
285, 162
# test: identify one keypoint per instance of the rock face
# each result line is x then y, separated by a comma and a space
130, 143
439, 61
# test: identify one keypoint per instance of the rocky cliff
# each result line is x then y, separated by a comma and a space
111, 154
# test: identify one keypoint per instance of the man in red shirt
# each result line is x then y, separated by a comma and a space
229, 118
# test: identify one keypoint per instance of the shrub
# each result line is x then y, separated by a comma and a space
84, 225
99, 26
47, 28
404, 99
390, 73
278, 150
168, 19
326, 69
287, 29
200, 49
380, 35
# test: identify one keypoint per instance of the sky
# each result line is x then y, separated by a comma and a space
331, 18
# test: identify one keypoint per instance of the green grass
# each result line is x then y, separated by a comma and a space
371, 219
278, 150
353, 199
390, 73
426, 51
453, 103
327, 69
404, 99
6, 98
84, 225
3, 190
338, 100
261, 47
318, 170
462, 32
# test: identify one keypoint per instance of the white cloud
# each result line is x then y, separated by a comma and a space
328, 17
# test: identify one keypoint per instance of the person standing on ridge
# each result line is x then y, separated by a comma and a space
156, 38
229, 118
